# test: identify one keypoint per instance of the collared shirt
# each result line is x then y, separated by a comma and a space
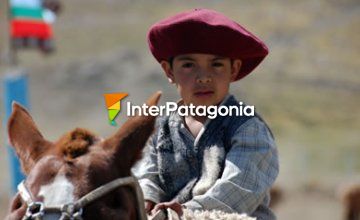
229, 166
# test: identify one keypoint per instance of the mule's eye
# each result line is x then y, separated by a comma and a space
51, 175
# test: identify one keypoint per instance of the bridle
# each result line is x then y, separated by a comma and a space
73, 211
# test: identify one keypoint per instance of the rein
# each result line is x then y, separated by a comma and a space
73, 211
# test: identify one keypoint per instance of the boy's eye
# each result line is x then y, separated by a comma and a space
187, 65
217, 64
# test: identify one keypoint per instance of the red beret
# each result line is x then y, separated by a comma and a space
206, 31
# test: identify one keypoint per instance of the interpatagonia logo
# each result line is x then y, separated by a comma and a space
211, 111
113, 105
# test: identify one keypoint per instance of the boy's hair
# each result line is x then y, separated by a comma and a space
171, 60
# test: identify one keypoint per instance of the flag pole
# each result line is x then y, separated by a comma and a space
15, 88
12, 59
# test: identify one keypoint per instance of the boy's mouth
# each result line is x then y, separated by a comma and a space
204, 93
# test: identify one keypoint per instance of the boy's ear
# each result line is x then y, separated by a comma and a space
235, 68
165, 65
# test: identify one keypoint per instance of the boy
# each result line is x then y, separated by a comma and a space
228, 163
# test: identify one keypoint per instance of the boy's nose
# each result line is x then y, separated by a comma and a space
203, 78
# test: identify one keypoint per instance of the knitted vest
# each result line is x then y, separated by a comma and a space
187, 169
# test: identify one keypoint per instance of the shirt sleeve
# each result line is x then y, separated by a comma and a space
251, 167
147, 173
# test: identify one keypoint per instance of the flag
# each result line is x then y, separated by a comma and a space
31, 24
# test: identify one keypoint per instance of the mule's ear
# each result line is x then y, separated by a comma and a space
131, 138
25, 137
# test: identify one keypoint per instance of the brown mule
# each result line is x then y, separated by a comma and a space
80, 162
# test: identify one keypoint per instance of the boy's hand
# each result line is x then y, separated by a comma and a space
149, 205
172, 205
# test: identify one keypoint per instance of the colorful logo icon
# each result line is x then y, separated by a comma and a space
112, 101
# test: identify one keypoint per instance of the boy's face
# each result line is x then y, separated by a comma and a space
202, 79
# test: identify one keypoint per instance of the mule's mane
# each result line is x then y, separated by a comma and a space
76, 142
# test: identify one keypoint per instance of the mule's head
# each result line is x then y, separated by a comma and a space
63, 171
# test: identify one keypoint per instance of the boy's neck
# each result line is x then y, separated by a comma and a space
201, 119
194, 124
